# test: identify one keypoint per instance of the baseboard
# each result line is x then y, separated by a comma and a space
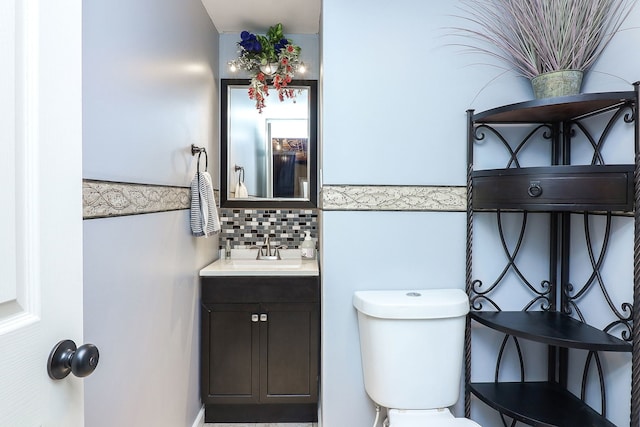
265, 413
199, 422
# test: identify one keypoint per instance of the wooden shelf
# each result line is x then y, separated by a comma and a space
539, 404
551, 328
555, 109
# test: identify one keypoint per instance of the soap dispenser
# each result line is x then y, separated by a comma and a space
227, 250
308, 247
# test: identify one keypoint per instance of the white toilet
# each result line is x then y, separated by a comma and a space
412, 345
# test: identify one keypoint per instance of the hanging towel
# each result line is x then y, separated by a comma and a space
204, 212
241, 189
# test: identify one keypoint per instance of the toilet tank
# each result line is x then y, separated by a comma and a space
412, 345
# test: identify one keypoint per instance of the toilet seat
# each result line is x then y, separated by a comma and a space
427, 418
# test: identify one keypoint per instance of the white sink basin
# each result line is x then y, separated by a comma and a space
243, 262
267, 263
246, 259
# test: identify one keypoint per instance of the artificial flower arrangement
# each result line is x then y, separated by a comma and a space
272, 55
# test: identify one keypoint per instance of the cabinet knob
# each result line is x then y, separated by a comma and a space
254, 317
263, 317
534, 189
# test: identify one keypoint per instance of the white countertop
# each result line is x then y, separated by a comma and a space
225, 267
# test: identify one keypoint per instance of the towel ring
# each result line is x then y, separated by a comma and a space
195, 150
240, 174
199, 150
206, 160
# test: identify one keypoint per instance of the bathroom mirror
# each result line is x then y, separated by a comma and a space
268, 158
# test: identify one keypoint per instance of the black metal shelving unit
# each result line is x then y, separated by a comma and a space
555, 314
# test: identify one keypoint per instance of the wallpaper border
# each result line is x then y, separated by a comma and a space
393, 198
106, 199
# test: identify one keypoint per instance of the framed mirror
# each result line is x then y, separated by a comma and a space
268, 158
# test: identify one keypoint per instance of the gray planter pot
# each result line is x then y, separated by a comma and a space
557, 83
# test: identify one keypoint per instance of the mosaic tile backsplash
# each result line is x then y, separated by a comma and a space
247, 227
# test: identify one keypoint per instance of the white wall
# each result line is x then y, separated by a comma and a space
375, 250
394, 100
150, 84
149, 91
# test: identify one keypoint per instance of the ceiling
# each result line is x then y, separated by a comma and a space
234, 16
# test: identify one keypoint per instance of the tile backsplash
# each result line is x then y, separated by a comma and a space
247, 227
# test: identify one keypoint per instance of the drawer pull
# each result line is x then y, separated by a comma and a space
263, 317
534, 189
254, 317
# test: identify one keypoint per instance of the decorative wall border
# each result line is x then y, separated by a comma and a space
393, 198
103, 199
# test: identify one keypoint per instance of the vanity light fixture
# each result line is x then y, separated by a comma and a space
269, 68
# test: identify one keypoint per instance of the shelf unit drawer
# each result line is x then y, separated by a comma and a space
555, 188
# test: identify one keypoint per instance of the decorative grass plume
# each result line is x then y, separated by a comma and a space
538, 36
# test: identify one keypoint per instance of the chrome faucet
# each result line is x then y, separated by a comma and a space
267, 246
266, 252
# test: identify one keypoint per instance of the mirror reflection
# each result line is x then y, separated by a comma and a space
268, 156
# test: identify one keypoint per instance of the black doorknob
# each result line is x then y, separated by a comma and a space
65, 358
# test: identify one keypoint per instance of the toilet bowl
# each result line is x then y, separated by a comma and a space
427, 418
412, 347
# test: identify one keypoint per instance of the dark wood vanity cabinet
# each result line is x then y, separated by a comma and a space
260, 348
555, 188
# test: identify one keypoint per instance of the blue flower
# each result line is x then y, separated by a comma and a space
281, 44
250, 42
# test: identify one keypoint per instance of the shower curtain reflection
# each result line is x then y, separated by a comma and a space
284, 174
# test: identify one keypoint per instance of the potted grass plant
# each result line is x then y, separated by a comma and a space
551, 42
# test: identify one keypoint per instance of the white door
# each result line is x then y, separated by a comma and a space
40, 208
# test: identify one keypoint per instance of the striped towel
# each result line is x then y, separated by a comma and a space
204, 213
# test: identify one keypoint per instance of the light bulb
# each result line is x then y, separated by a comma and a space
233, 67
302, 68
269, 68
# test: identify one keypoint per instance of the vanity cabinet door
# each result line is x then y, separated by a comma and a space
230, 350
289, 349
260, 349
